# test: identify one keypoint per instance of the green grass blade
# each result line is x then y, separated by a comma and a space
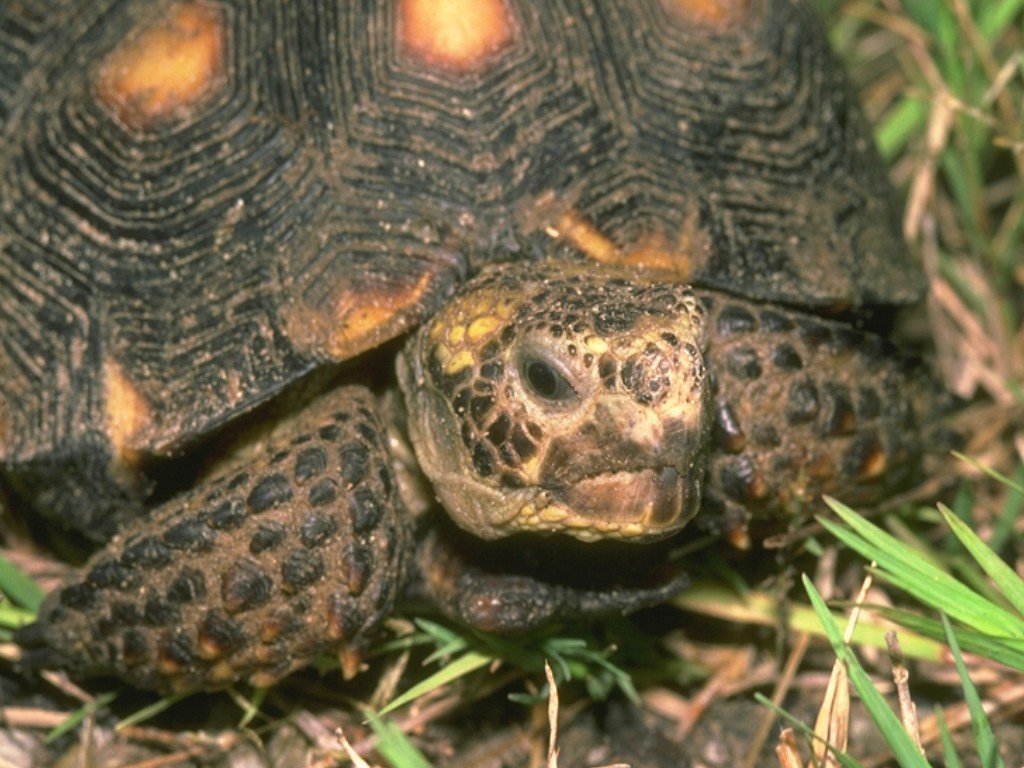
459, 667
920, 578
1006, 652
994, 474
983, 736
394, 746
1006, 578
146, 713
994, 17
949, 755
79, 715
899, 741
20, 588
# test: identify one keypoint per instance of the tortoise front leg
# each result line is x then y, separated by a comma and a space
513, 585
248, 575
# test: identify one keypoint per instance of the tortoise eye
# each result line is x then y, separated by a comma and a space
546, 382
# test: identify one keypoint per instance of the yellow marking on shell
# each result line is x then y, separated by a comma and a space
710, 13
166, 68
459, 35
459, 361
483, 326
128, 413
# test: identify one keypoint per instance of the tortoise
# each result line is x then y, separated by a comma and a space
634, 260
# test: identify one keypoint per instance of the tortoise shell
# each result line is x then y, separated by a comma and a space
202, 202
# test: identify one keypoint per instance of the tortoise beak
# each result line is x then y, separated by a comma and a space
636, 504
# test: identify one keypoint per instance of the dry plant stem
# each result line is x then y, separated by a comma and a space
785, 681
787, 750
832, 726
1001, 702
28, 717
901, 676
552, 716
352, 754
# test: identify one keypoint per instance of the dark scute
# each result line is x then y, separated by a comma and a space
366, 510
134, 647
111, 574
728, 431
483, 460
744, 363
301, 568
190, 585
268, 493
331, 433
226, 516
309, 463
79, 596
498, 430
317, 529
244, 586
802, 403
840, 418
323, 493
492, 371
739, 479
355, 463
221, 630
160, 613
785, 358
734, 319
766, 434
177, 647
479, 408
267, 537
124, 614
148, 552
189, 535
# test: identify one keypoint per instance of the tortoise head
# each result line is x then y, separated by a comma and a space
562, 396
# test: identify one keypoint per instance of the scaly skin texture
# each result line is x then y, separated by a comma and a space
249, 575
562, 396
805, 406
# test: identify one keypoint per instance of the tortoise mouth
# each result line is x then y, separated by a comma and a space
631, 504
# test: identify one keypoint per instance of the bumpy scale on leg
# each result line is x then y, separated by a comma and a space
248, 575
804, 406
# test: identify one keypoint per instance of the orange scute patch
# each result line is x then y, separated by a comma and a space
165, 68
655, 253
460, 35
359, 318
128, 413
710, 13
